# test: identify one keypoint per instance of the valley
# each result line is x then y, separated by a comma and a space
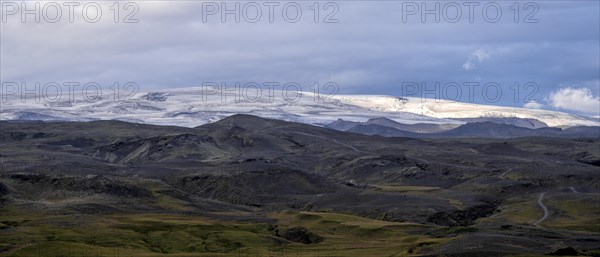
250, 186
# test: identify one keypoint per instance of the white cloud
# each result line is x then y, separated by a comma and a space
468, 65
481, 55
478, 56
533, 105
575, 99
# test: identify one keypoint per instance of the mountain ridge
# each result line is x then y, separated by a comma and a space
482, 130
190, 107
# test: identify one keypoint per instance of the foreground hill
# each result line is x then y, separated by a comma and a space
246, 184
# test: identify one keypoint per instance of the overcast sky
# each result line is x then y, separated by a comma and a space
374, 48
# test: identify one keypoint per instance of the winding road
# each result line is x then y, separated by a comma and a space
541, 204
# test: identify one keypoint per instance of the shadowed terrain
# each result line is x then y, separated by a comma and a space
249, 185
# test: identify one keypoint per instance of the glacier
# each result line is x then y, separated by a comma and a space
192, 106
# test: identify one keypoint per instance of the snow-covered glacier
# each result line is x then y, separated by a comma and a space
194, 106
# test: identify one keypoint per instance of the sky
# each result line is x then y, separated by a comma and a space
540, 54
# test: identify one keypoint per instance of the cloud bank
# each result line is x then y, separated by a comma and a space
575, 99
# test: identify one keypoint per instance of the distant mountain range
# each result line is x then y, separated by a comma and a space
385, 122
487, 128
191, 107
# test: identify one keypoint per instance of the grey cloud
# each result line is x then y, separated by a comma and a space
369, 51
